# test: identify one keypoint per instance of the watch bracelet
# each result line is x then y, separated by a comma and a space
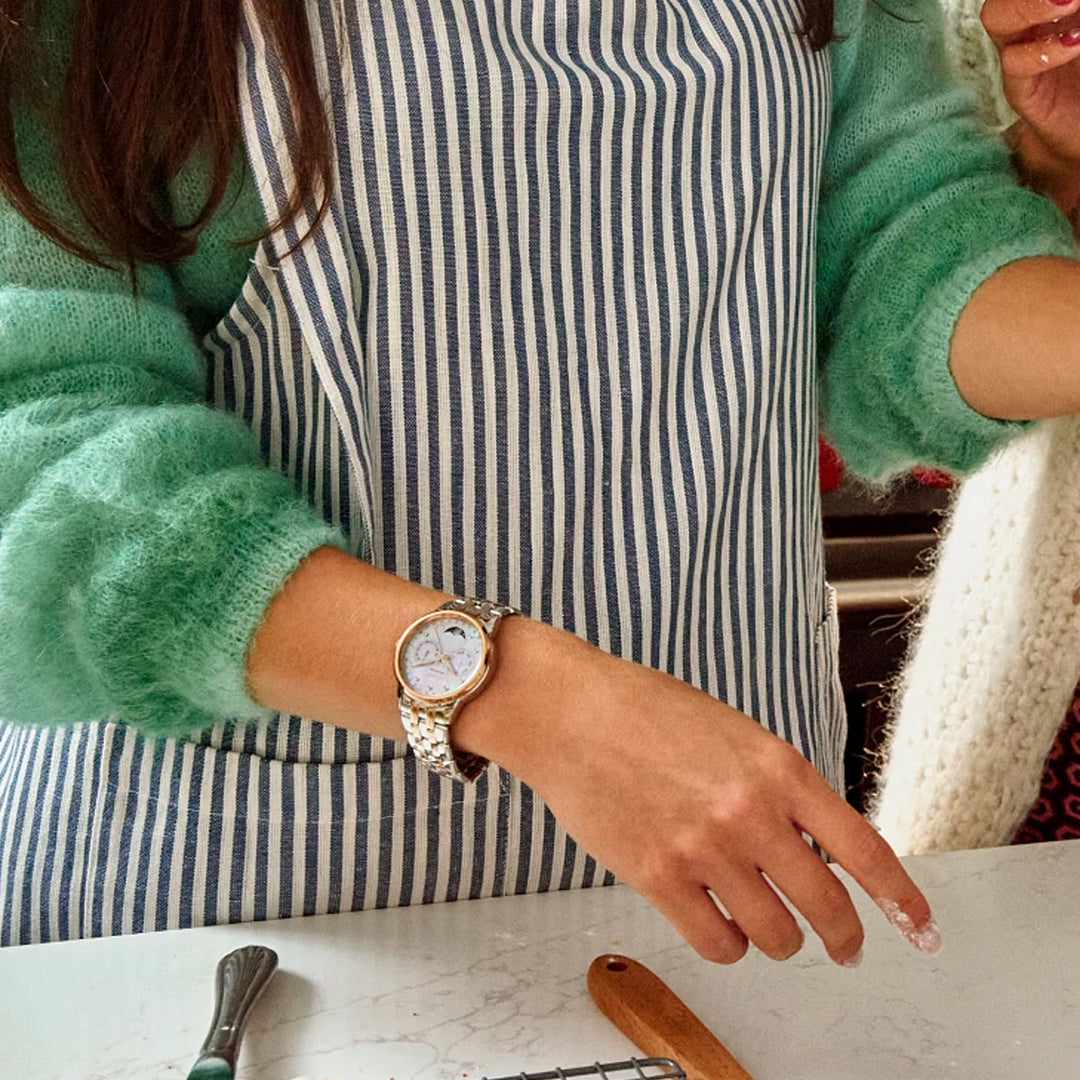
429, 737
486, 612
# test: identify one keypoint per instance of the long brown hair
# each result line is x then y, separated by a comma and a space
149, 83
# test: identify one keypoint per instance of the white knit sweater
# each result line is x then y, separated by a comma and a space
975, 59
997, 653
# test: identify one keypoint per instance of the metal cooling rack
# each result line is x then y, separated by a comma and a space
634, 1069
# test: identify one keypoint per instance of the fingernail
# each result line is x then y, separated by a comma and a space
798, 946
925, 938
1070, 37
852, 961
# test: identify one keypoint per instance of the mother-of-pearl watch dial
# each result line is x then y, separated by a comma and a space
442, 657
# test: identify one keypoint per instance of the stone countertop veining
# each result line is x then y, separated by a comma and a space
494, 987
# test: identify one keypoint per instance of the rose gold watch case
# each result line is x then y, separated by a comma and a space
472, 685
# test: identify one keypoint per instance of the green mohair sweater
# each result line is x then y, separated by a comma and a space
141, 536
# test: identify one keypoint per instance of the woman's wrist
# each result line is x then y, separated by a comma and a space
326, 650
535, 689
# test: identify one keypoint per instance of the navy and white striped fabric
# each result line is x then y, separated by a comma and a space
554, 346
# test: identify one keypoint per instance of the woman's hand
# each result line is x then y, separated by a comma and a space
681, 796
1038, 42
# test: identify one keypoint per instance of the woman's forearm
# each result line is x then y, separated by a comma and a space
1015, 352
326, 647
326, 650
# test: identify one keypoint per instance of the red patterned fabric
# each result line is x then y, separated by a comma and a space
830, 467
831, 471
932, 477
1056, 813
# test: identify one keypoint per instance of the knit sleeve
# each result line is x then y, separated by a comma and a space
141, 535
918, 207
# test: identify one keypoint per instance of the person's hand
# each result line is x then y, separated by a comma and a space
682, 797
1038, 42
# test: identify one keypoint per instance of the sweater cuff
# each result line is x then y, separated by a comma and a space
171, 631
266, 553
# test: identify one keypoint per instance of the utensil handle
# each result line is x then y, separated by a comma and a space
645, 1009
242, 976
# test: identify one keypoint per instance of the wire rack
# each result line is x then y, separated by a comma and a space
633, 1069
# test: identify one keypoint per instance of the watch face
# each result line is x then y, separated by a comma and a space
442, 657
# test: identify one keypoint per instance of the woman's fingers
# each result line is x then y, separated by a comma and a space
1041, 81
856, 846
758, 915
1029, 59
695, 914
1033, 37
759, 847
1009, 20
761, 914
817, 892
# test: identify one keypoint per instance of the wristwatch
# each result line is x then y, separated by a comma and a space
443, 660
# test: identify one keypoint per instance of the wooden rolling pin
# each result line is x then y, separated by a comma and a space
644, 1008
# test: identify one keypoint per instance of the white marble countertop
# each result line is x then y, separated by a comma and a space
493, 987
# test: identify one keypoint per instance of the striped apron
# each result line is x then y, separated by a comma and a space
553, 345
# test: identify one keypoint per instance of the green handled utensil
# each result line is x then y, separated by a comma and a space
241, 978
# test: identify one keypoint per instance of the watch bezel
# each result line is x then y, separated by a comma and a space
475, 681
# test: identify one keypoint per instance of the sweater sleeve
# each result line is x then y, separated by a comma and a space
141, 535
918, 207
